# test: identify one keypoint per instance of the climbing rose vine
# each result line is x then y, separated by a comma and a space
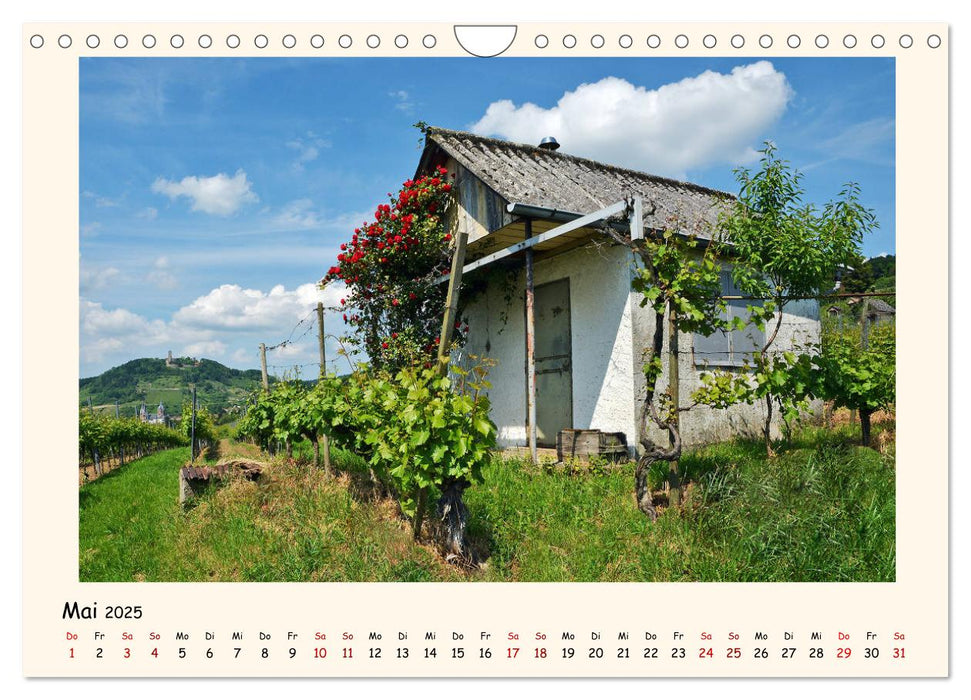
393, 308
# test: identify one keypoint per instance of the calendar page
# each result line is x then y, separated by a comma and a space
508, 350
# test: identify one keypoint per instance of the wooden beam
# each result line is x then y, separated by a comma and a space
530, 348
528, 243
637, 220
452, 300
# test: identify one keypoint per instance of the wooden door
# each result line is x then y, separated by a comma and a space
554, 361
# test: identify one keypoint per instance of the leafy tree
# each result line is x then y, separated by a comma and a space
782, 250
860, 376
302, 412
257, 422
883, 266
205, 430
100, 437
423, 438
857, 276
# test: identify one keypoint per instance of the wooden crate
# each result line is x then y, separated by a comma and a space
572, 444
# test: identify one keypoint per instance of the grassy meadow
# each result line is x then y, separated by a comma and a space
821, 511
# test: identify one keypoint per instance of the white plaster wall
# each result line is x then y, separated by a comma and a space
603, 393
609, 331
700, 425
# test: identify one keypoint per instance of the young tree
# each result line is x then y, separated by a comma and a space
205, 426
681, 284
782, 250
860, 375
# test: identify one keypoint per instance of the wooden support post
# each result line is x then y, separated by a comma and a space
865, 330
637, 219
320, 339
192, 433
323, 372
266, 379
674, 388
452, 300
865, 343
530, 348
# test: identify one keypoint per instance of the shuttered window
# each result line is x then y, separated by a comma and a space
732, 348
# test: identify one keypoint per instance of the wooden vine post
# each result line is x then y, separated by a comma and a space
445, 340
192, 433
674, 389
323, 373
530, 347
266, 379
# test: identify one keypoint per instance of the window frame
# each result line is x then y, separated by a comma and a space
731, 357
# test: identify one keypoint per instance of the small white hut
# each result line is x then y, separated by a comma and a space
532, 218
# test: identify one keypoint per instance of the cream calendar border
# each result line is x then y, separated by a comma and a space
917, 602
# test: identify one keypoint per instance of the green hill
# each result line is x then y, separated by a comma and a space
151, 381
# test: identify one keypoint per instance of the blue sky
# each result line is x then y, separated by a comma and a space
215, 192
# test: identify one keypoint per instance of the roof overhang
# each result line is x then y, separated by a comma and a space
551, 230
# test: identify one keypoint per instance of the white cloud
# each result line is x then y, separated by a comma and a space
709, 119
865, 141
104, 332
232, 308
290, 352
93, 278
229, 321
220, 194
403, 101
298, 214
99, 200
149, 213
205, 348
307, 148
160, 275
90, 230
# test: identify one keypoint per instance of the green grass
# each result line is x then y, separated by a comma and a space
822, 511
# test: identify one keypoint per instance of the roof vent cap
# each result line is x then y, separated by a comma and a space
549, 143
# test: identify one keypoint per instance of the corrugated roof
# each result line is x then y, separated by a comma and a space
879, 306
527, 174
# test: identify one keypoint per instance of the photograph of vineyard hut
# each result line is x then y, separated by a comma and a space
549, 354
552, 251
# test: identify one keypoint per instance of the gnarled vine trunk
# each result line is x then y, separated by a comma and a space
455, 516
653, 452
865, 427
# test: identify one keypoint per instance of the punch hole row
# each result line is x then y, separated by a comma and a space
541, 41
233, 41
738, 41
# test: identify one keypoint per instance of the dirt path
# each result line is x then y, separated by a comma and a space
229, 449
